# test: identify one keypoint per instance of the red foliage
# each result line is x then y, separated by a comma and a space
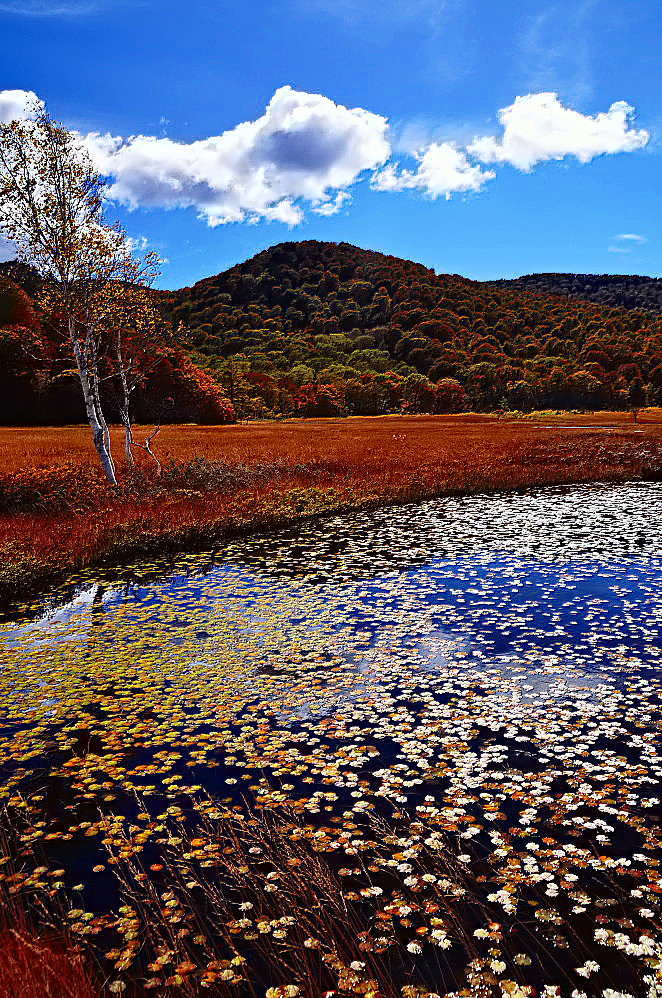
38, 386
16, 309
319, 400
450, 396
178, 391
21, 342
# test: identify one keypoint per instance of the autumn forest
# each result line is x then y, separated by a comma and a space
324, 329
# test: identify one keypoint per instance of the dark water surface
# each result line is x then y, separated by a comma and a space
485, 670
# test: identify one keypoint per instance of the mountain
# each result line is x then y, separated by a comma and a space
312, 314
317, 328
612, 290
19, 273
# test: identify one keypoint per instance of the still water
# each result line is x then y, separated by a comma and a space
484, 669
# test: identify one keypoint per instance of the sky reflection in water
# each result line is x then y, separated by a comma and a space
438, 659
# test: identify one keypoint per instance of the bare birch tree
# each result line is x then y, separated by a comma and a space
139, 340
51, 208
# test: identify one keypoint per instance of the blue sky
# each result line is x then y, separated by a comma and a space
375, 141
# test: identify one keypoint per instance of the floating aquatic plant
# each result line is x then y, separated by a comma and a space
415, 752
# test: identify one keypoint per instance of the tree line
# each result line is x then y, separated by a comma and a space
612, 290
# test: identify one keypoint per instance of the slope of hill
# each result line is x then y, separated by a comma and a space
19, 273
613, 290
382, 332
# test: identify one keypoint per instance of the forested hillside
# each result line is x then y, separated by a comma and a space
615, 291
316, 328
312, 328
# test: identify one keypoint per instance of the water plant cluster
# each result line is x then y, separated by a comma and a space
414, 752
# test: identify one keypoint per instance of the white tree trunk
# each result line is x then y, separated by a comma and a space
105, 456
125, 409
101, 419
128, 436
100, 434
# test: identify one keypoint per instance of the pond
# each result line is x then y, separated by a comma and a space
415, 751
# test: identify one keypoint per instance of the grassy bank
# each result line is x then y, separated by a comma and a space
57, 514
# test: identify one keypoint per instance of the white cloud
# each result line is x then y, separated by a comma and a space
443, 170
305, 152
17, 104
137, 244
334, 206
537, 127
626, 242
304, 148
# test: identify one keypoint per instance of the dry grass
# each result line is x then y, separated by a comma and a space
35, 965
56, 514
269, 891
254, 904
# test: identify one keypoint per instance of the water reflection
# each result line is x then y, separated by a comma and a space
489, 665
565, 581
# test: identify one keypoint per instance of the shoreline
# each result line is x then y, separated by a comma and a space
374, 469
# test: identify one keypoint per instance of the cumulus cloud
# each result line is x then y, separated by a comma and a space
304, 148
443, 170
305, 153
537, 127
17, 104
327, 208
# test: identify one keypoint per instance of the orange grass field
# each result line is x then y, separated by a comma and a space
57, 515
